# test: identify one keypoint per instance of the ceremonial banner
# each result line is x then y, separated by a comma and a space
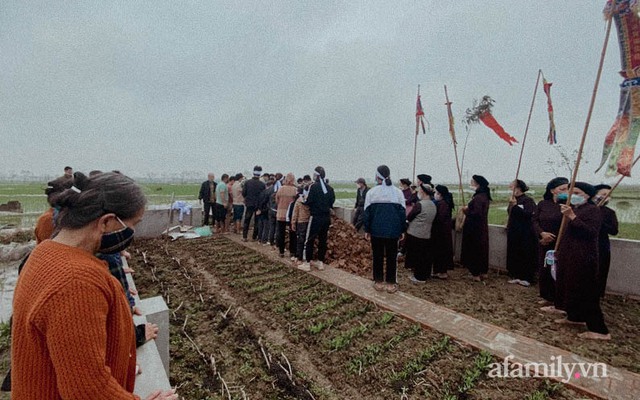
419, 116
620, 142
482, 112
552, 126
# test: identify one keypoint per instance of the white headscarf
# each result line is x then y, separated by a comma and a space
324, 187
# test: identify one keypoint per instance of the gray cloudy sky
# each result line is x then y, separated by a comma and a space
172, 86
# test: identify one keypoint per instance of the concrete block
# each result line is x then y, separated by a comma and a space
153, 376
156, 312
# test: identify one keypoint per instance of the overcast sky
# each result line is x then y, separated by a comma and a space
172, 86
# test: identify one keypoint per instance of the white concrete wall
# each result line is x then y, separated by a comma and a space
624, 275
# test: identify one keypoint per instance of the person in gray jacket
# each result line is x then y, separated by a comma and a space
418, 246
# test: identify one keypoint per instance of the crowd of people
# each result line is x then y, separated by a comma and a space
572, 273
72, 324
281, 208
415, 220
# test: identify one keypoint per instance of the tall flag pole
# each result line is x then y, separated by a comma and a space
452, 132
586, 129
526, 130
546, 86
620, 142
419, 122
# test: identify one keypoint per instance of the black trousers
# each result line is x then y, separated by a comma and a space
248, 214
318, 228
588, 311
419, 256
384, 248
301, 236
209, 209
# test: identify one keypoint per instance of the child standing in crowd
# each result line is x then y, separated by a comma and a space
384, 223
300, 223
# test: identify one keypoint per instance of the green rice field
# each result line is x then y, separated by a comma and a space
626, 201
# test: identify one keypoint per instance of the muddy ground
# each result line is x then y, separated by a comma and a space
246, 326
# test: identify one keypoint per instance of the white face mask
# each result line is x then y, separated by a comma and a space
577, 200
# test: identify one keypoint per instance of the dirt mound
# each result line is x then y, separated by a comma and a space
348, 249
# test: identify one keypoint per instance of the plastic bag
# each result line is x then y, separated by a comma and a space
551, 262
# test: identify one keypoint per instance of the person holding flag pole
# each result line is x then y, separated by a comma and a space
575, 258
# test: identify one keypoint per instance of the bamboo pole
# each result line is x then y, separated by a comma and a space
526, 130
455, 143
415, 141
586, 129
605, 198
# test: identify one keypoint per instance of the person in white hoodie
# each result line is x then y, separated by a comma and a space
384, 223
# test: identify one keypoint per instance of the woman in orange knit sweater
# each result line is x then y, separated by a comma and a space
72, 336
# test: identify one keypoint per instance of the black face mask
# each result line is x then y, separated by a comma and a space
115, 242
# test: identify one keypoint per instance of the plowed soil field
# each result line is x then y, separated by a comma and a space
246, 326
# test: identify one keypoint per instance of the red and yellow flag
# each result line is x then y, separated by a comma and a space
419, 116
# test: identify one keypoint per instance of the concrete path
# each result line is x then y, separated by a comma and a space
618, 384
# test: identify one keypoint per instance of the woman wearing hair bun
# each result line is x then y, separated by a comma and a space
72, 335
521, 241
441, 233
546, 225
45, 225
384, 223
419, 244
475, 235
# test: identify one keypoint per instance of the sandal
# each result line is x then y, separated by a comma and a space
379, 286
565, 321
392, 287
594, 335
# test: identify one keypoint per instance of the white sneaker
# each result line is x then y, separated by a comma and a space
514, 281
524, 283
415, 280
320, 266
293, 258
305, 266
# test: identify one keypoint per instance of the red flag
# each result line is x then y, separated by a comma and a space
419, 116
552, 126
491, 123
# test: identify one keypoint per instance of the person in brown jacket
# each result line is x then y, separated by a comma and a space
300, 223
284, 197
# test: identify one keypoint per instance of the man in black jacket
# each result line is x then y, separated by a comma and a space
320, 201
208, 197
251, 193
